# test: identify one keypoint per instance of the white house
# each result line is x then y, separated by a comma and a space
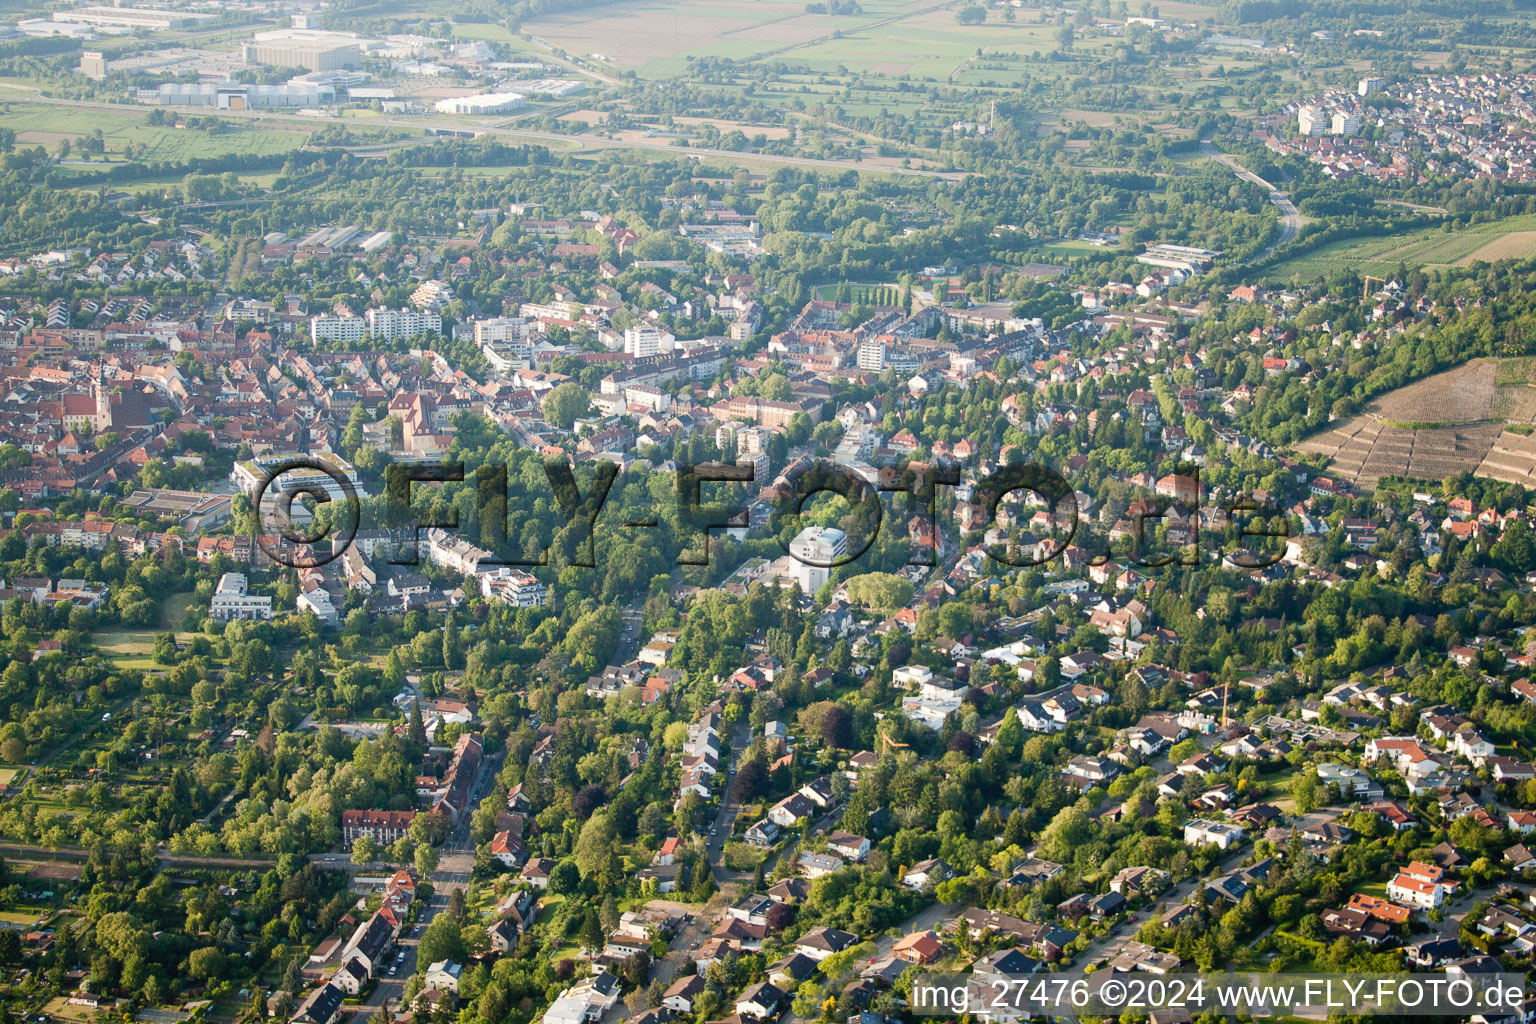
584, 1002
848, 846
1414, 891
1203, 832
443, 976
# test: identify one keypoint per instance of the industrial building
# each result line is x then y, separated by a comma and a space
314, 49
555, 87
484, 103
1179, 257
128, 19
241, 96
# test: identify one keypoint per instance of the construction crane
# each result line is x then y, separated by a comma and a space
1365, 291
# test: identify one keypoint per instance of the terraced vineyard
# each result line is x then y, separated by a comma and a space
1450, 423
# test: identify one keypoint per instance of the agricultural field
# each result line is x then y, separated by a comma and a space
1449, 423
1380, 256
36, 124
1513, 245
656, 38
916, 38
930, 45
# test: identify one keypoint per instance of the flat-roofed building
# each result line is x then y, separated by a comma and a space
483, 103
231, 601
128, 19
314, 49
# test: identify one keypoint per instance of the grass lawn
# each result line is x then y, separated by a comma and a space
8, 776
24, 915
132, 648
175, 608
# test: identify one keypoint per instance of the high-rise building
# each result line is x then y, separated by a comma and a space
1345, 123
391, 324
338, 328
1370, 85
504, 342
1311, 120
644, 341
871, 358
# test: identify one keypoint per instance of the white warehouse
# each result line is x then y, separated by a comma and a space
241, 96
484, 103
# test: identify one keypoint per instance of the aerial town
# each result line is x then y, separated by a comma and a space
1462, 125
563, 514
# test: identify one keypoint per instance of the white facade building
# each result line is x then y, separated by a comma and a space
231, 601
814, 551
871, 358
485, 103
642, 342
504, 342
338, 328
392, 324
1311, 120
513, 586
1345, 123
318, 602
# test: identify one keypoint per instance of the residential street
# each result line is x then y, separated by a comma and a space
456, 862
1106, 946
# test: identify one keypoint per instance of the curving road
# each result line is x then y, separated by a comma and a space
1290, 218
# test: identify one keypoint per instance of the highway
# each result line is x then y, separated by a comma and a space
1291, 220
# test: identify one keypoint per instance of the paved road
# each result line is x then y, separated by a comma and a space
629, 638
1290, 218
1124, 929
725, 818
455, 864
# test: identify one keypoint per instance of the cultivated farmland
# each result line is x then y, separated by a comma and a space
1380, 256
36, 124
1450, 423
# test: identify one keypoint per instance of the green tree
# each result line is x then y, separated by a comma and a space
565, 404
